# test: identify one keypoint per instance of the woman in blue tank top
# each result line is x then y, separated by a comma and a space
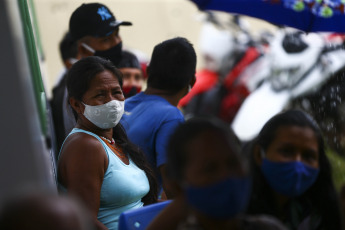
97, 162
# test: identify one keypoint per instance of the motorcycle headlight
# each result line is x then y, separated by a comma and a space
285, 78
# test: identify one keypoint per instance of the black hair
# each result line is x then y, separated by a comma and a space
172, 65
78, 82
68, 47
84, 70
177, 156
128, 60
321, 195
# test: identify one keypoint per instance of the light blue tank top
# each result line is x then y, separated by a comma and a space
122, 188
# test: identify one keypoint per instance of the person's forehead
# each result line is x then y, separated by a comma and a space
288, 130
209, 142
112, 33
105, 77
296, 135
130, 69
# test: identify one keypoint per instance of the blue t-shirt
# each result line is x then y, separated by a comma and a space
149, 121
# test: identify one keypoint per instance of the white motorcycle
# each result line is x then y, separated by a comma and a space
228, 49
297, 71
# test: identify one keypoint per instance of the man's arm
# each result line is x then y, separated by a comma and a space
162, 140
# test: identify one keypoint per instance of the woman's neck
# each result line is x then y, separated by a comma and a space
107, 133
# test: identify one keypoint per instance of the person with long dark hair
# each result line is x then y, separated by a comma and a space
292, 175
97, 162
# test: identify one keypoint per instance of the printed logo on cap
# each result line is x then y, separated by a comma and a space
104, 13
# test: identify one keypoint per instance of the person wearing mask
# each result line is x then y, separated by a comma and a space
94, 30
97, 32
97, 162
292, 175
212, 181
133, 78
151, 116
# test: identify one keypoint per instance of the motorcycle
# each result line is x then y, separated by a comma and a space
302, 71
239, 49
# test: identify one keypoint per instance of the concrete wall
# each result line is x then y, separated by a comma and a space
153, 21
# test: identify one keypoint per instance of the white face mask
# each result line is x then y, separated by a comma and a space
105, 116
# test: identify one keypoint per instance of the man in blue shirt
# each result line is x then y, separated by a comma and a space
151, 116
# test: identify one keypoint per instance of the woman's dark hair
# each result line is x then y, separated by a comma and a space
83, 71
321, 195
78, 82
177, 147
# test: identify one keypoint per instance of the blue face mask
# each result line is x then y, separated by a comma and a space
222, 200
289, 178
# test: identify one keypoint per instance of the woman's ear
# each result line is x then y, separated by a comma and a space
76, 105
258, 155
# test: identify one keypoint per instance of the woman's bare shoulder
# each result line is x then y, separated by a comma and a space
82, 148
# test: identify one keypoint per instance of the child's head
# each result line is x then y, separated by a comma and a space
204, 151
204, 159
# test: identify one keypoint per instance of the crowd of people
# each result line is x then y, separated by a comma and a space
290, 187
123, 143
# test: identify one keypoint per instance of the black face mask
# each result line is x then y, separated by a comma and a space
114, 54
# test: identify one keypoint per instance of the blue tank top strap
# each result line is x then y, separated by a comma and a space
76, 130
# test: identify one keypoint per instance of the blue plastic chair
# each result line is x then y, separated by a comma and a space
139, 219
